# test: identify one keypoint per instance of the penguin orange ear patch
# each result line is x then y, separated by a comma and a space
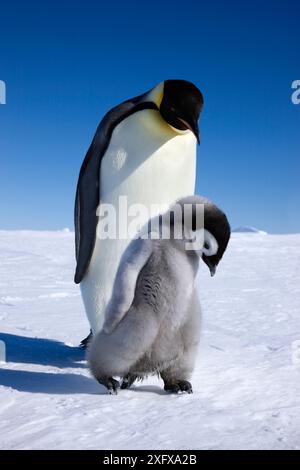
156, 94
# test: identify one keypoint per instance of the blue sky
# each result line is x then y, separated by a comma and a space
66, 63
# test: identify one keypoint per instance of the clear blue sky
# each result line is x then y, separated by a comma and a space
66, 63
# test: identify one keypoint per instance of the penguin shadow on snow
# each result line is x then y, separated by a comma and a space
42, 351
50, 383
45, 352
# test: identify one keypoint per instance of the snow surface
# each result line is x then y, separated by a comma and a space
246, 382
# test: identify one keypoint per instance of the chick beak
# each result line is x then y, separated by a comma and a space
211, 266
192, 127
212, 270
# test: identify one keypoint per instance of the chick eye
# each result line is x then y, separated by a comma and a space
206, 245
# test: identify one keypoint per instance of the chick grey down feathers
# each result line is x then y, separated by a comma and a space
152, 322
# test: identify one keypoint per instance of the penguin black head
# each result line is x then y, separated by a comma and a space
181, 105
217, 229
200, 215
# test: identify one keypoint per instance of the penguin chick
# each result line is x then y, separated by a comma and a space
152, 322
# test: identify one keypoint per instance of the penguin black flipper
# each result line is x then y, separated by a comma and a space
88, 186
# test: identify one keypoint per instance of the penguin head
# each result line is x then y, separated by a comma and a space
206, 230
180, 103
216, 236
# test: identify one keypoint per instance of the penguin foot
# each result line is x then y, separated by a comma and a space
128, 381
86, 341
111, 384
180, 386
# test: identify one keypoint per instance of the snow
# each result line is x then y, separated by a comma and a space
246, 381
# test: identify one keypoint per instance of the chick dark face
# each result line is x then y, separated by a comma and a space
181, 105
216, 223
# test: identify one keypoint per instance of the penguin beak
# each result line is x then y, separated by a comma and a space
193, 126
212, 270
212, 266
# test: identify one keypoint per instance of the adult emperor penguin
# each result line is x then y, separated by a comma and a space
144, 149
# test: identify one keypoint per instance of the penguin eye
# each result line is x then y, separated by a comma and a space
206, 245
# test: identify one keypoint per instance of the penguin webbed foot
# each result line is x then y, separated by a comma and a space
128, 381
86, 341
180, 386
110, 383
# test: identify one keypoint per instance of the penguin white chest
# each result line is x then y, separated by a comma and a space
148, 162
